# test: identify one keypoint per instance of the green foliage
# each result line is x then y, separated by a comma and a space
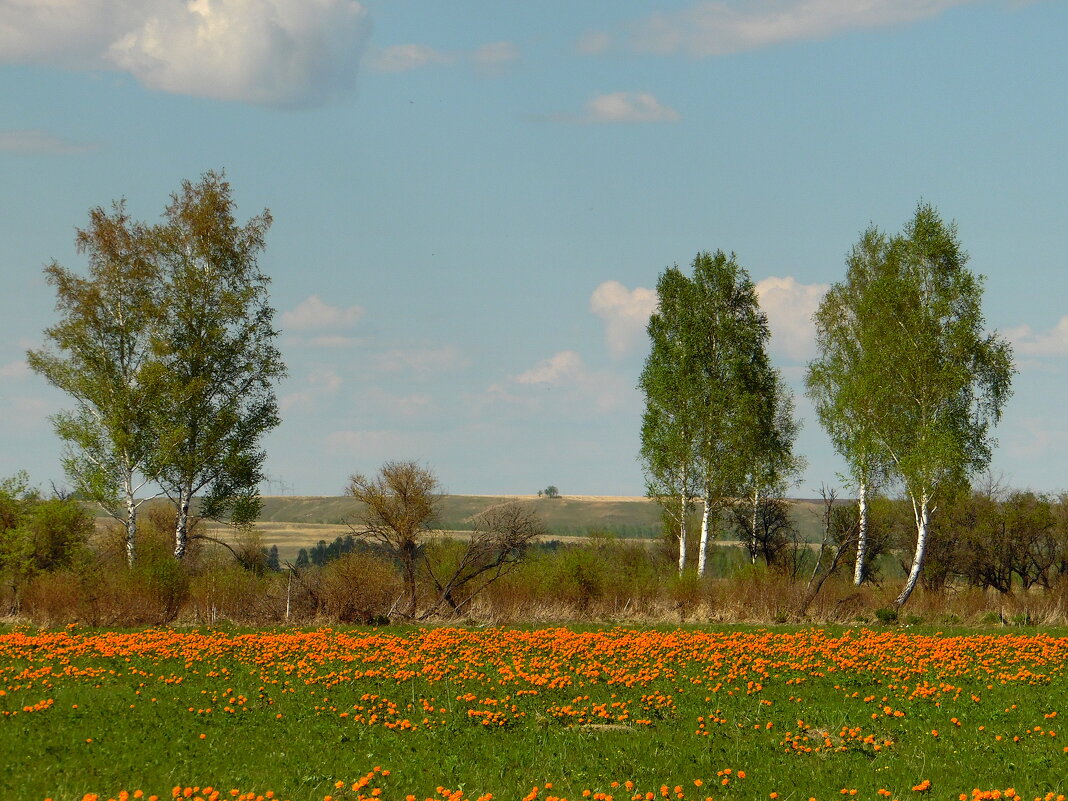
217, 352
909, 379
718, 421
103, 359
167, 350
38, 535
886, 614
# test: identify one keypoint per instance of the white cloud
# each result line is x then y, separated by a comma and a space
41, 143
566, 366
487, 58
720, 28
583, 390
266, 52
790, 306
314, 314
628, 107
422, 362
625, 313
1028, 342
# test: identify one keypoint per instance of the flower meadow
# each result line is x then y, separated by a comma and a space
557, 714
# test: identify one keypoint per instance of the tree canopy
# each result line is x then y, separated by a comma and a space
717, 417
910, 380
167, 348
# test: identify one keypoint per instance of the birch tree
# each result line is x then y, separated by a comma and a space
940, 380
100, 353
704, 392
836, 380
731, 367
216, 344
668, 423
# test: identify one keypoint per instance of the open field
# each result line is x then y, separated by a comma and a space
611, 714
295, 522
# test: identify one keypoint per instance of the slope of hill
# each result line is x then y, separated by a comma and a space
567, 516
293, 522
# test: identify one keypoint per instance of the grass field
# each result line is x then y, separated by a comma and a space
452, 714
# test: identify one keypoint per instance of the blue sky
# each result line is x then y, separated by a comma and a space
473, 200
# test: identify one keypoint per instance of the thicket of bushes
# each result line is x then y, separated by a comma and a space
992, 561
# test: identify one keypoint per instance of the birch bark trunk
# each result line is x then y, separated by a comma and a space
753, 530
701, 554
923, 520
181, 526
862, 534
682, 524
131, 526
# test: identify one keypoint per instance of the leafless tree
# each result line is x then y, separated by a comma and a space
400, 505
830, 555
497, 544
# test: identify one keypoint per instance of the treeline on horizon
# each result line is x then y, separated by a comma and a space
995, 557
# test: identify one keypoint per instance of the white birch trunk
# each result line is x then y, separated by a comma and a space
753, 531
131, 530
922, 515
181, 525
862, 534
702, 553
130, 523
682, 523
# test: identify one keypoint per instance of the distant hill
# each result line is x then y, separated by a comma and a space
292, 521
565, 516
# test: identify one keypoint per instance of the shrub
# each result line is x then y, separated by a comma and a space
359, 588
886, 614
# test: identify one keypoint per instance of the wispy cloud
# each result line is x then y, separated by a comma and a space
1028, 342
42, 143
494, 56
407, 57
790, 306
625, 313
490, 57
422, 363
594, 43
286, 53
21, 413
314, 314
336, 341
563, 367
1037, 439
621, 107
720, 28
317, 385
582, 389
628, 107
15, 369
